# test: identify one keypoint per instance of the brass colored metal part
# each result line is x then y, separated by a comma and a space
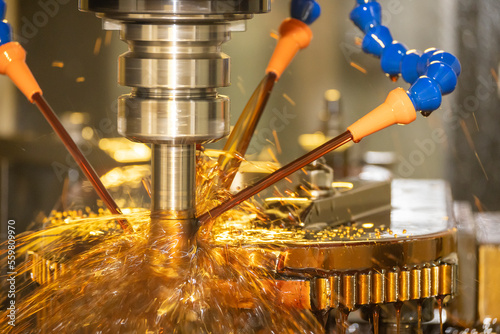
320, 275
295, 293
321, 293
362, 255
398, 285
416, 286
378, 287
349, 292
426, 283
445, 280
43, 271
346, 290
364, 288
435, 281
334, 290
404, 285
392, 287
488, 273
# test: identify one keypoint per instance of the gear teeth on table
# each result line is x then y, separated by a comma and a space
378, 287
346, 290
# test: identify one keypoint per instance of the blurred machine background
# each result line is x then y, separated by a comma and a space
75, 62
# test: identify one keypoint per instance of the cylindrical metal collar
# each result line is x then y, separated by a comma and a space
174, 7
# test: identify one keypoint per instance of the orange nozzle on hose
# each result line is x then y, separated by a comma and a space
294, 36
13, 64
397, 109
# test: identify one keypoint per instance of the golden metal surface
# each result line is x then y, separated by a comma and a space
334, 281
435, 281
352, 290
416, 287
488, 273
392, 287
346, 290
370, 261
426, 283
348, 297
321, 293
445, 280
305, 258
364, 288
378, 287
404, 285
348, 267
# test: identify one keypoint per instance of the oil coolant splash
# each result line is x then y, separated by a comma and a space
111, 283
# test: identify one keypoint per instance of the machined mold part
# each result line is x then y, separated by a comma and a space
463, 308
347, 201
319, 275
317, 180
349, 291
414, 259
488, 240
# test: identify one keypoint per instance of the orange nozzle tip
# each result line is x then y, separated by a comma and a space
397, 109
13, 64
294, 36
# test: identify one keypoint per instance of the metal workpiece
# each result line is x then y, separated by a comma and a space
329, 204
417, 228
351, 291
345, 290
317, 180
350, 201
406, 253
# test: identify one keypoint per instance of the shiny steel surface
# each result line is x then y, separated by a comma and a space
173, 179
158, 120
174, 70
174, 66
172, 206
176, 56
173, 73
182, 7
